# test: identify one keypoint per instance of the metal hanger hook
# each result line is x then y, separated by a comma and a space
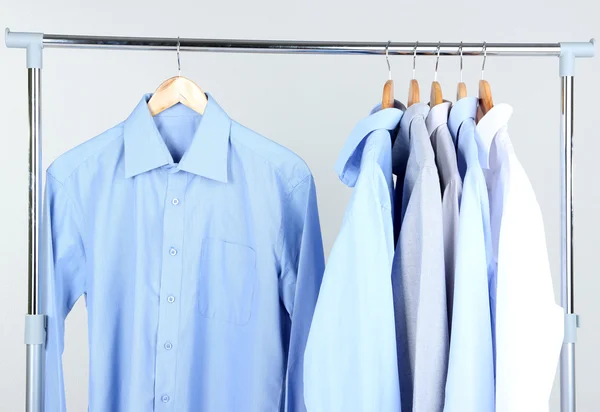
178, 60
387, 59
437, 61
415, 58
484, 59
460, 51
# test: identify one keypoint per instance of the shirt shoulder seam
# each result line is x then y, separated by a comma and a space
291, 186
78, 208
284, 268
75, 204
375, 194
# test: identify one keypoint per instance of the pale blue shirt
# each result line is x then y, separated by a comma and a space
418, 272
470, 381
350, 360
197, 245
444, 150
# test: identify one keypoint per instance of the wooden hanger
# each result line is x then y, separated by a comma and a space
388, 95
461, 90
485, 96
175, 90
387, 100
435, 96
485, 91
414, 95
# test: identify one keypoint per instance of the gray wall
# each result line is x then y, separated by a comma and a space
307, 103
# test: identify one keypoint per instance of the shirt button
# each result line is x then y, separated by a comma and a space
168, 346
165, 398
171, 299
175, 201
173, 251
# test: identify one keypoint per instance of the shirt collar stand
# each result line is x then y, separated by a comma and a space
438, 115
489, 125
414, 111
401, 147
207, 155
462, 110
348, 164
397, 105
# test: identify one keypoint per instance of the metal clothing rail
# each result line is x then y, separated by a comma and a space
34, 43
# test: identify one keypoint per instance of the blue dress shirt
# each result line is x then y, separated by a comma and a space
197, 244
470, 381
418, 272
350, 360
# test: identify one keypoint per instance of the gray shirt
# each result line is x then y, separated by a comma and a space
451, 185
418, 277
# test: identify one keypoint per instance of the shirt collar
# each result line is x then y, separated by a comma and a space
401, 148
462, 110
437, 116
416, 110
207, 155
397, 105
348, 163
489, 125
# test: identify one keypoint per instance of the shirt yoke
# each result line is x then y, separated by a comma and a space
67, 164
286, 163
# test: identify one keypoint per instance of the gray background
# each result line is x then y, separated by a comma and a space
307, 103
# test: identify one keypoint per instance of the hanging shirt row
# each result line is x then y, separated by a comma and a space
437, 295
197, 245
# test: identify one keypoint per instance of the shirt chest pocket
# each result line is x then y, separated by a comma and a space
225, 288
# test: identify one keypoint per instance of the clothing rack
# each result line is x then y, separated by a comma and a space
34, 43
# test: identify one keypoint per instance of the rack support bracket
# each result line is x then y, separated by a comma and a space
35, 329
571, 325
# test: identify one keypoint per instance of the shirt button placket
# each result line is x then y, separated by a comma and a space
168, 322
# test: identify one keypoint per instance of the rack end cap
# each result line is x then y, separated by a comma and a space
578, 49
32, 42
570, 51
23, 40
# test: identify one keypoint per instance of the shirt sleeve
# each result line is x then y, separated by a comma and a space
302, 265
62, 281
350, 360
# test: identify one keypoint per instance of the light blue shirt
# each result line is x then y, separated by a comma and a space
470, 381
197, 244
350, 360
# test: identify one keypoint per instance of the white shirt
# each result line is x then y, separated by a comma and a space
529, 324
350, 362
